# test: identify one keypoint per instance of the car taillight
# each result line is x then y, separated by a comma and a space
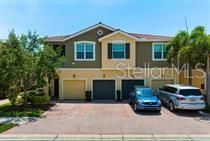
180, 98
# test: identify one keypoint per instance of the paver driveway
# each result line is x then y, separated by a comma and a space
113, 118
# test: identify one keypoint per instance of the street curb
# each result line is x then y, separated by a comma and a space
147, 137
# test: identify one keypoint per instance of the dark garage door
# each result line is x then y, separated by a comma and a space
104, 89
127, 86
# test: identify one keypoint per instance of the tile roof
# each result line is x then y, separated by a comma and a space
143, 36
148, 37
55, 38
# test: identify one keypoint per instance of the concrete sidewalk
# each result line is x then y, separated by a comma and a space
149, 137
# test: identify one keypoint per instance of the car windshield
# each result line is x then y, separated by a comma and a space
190, 92
144, 92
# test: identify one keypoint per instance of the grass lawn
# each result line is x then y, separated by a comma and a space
6, 126
7, 110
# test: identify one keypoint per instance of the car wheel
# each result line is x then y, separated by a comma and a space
171, 106
135, 108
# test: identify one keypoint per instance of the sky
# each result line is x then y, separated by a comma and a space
63, 17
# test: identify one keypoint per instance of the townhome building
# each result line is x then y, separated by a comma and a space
103, 60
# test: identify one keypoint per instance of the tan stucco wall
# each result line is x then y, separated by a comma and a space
112, 63
196, 81
94, 74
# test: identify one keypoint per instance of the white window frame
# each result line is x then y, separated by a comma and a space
153, 53
119, 42
75, 50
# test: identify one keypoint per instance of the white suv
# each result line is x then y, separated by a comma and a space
181, 97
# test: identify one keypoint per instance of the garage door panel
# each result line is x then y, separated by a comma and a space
103, 89
127, 86
74, 89
156, 84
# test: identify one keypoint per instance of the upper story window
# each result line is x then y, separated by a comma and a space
84, 51
159, 51
118, 50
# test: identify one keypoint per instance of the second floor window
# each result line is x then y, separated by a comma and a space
118, 50
159, 51
84, 50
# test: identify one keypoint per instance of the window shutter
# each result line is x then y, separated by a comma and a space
109, 51
127, 50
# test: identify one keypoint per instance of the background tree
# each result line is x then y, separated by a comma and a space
10, 64
25, 62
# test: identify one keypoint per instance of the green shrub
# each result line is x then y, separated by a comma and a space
3, 95
12, 96
32, 92
39, 100
118, 95
88, 95
30, 95
37, 97
40, 91
29, 98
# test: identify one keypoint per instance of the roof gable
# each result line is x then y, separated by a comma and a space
117, 32
67, 37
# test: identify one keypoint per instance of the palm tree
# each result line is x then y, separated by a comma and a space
179, 50
189, 48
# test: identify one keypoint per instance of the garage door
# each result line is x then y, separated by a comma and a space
103, 89
156, 84
74, 89
127, 86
